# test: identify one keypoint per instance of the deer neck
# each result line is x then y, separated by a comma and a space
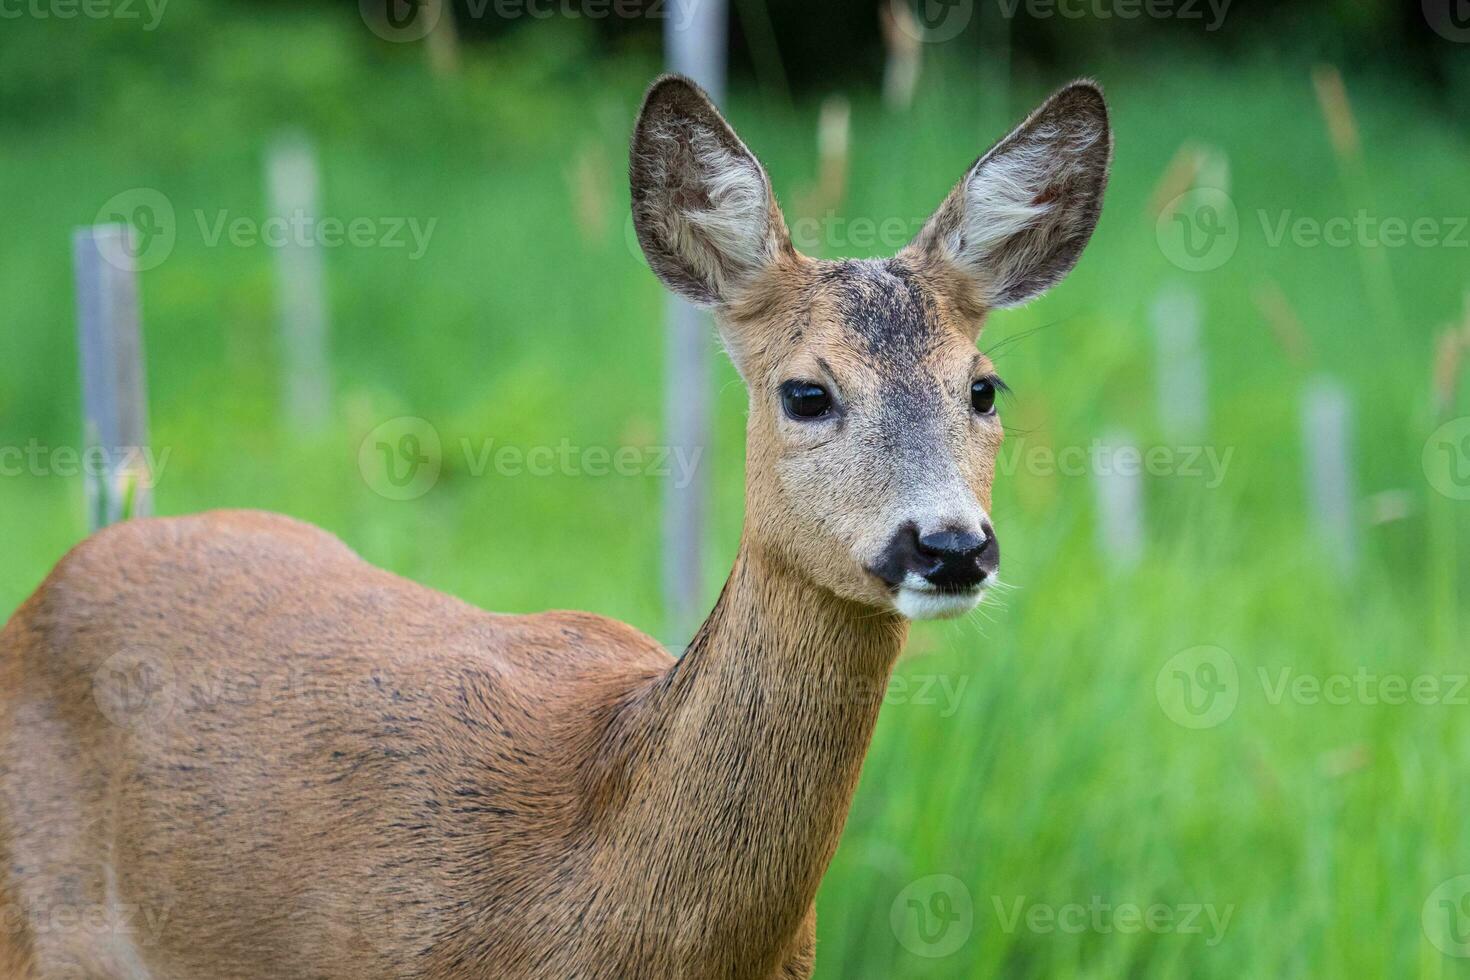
749, 751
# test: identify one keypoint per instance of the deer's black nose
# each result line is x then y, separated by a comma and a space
952, 558
952, 545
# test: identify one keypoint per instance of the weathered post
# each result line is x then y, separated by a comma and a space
1327, 450
114, 394
901, 35
1117, 466
1180, 365
301, 293
695, 42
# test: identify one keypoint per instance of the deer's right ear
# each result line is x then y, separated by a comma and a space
702, 204
1019, 219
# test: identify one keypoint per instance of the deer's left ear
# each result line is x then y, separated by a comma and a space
702, 204
1017, 222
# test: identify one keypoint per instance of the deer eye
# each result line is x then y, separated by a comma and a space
804, 400
982, 396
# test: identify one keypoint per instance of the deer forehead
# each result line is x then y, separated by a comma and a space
874, 323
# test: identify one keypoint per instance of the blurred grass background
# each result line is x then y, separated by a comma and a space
1052, 774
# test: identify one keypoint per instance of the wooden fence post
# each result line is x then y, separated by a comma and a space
114, 395
694, 38
1117, 473
301, 293
901, 34
1180, 365
1327, 450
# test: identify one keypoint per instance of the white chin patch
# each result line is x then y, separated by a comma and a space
931, 604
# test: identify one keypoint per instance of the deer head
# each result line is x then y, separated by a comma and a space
873, 430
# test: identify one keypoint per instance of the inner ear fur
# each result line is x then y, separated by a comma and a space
703, 209
1017, 222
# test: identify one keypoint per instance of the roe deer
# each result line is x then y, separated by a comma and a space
229, 748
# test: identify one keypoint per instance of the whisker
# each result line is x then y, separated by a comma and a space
1022, 335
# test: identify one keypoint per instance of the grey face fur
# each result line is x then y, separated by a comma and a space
884, 499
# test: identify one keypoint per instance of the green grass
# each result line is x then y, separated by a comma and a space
1045, 768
